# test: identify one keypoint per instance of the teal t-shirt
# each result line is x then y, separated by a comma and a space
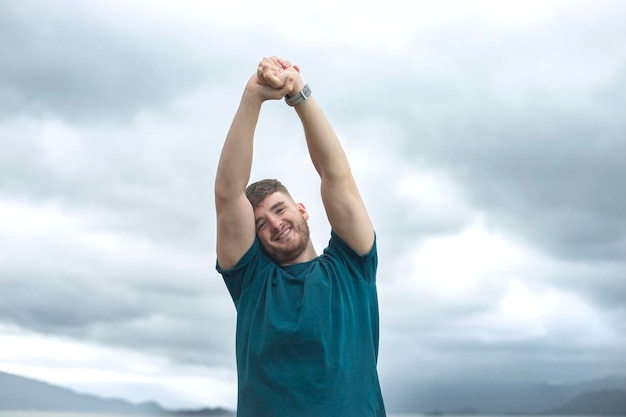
307, 334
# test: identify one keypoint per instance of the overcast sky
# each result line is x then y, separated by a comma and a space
488, 139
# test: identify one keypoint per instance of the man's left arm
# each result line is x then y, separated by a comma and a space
344, 206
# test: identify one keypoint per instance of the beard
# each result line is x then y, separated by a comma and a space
287, 254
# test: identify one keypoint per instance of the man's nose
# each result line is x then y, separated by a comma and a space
275, 223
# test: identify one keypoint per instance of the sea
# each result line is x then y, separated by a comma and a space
68, 414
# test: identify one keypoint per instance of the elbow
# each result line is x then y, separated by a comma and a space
336, 173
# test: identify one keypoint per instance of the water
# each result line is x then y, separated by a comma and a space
78, 414
480, 415
62, 414
69, 414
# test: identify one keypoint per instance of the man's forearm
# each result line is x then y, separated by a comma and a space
344, 206
326, 152
233, 172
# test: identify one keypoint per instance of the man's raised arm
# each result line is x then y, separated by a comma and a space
235, 218
344, 206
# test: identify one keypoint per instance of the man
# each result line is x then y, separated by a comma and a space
307, 325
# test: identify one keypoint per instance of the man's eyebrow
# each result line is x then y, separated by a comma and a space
280, 203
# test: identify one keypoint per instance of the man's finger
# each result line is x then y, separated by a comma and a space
288, 86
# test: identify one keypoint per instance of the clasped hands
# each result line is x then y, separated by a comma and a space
277, 77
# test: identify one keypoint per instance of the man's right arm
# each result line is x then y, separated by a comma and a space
235, 216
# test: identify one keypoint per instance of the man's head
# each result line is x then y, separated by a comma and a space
281, 223
256, 192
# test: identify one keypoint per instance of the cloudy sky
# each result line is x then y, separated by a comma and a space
488, 139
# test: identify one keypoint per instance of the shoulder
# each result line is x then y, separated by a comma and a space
361, 267
253, 258
250, 272
337, 245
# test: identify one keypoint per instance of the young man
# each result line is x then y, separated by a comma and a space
307, 325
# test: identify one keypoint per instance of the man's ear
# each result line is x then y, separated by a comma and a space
302, 210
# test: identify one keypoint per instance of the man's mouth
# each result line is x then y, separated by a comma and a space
282, 234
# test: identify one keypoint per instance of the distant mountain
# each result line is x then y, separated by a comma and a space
602, 397
606, 403
495, 397
24, 394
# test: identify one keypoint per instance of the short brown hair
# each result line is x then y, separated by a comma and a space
258, 191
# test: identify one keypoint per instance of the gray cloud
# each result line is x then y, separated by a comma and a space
153, 309
547, 164
88, 62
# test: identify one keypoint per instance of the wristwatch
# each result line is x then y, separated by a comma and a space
300, 97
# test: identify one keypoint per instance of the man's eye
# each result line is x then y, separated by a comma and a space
280, 210
261, 226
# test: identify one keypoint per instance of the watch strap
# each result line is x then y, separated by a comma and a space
300, 97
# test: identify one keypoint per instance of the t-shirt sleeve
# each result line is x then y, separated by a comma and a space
234, 277
361, 267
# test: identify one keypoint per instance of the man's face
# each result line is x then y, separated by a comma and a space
282, 228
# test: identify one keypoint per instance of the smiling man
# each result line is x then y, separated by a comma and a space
307, 325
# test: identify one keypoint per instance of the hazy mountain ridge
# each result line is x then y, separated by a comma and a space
606, 396
443, 397
25, 394
609, 402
